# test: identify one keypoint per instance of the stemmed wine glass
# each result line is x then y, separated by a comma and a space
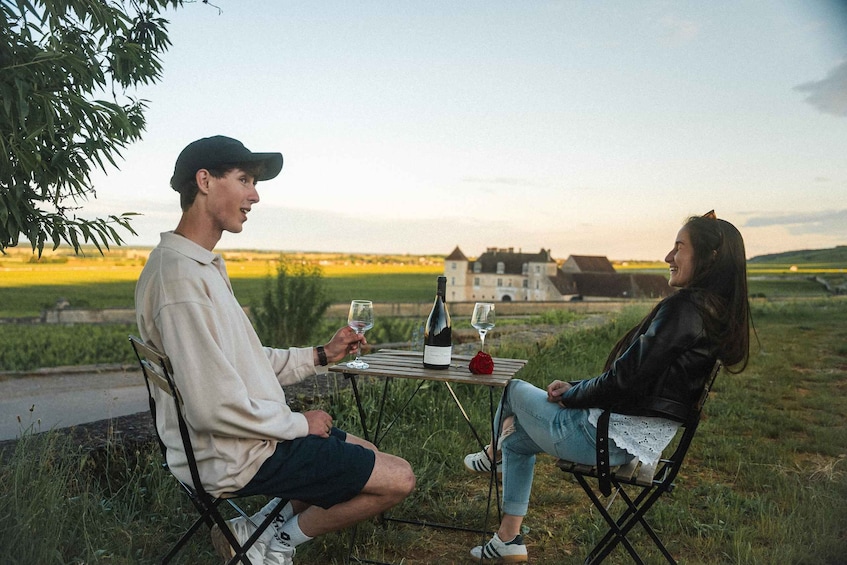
361, 319
483, 319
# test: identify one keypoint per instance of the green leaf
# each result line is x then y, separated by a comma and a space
58, 60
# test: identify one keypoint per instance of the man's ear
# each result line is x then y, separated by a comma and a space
201, 177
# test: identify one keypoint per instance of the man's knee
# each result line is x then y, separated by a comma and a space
393, 475
409, 479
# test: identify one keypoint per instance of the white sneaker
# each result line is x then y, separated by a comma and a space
275, 555
243, 529
480, 463
498, 551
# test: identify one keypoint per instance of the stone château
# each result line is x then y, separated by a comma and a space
503, 275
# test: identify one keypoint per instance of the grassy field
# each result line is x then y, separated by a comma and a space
94, 281
28, 287
765, 481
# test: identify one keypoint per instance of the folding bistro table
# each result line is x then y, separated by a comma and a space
390, 364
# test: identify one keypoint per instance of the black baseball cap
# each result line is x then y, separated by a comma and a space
220, 151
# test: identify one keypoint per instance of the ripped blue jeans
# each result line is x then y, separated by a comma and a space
542, 427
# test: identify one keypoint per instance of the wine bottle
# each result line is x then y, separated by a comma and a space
438, 336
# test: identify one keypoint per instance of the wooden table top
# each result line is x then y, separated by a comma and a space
409, 365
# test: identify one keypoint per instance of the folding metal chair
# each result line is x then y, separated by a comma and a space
647, 479
158, 372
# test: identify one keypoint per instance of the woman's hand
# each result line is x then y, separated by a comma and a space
555, 390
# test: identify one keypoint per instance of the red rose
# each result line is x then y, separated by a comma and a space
481, 364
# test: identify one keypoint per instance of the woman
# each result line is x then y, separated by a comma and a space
663, 361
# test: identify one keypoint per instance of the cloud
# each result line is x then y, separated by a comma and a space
830, 222
830, 94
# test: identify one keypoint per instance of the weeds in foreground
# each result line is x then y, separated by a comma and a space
765, 482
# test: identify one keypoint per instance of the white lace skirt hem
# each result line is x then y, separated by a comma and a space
644, 437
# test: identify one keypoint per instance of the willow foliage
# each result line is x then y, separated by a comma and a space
68, 69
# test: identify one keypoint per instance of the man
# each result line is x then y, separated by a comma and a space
246, 438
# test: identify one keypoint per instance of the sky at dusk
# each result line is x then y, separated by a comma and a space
583, 127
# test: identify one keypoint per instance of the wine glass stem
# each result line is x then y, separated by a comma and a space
359, 346
482, 337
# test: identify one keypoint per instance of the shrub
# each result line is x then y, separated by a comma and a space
292, 306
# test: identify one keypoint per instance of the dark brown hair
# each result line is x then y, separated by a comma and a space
188, 191
720, 277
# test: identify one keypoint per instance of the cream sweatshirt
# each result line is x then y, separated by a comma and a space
231, 385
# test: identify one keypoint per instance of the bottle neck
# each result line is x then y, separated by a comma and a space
441, 290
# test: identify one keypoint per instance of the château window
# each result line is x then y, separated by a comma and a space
477, 267
501, 267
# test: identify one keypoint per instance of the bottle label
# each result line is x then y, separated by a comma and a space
435, 355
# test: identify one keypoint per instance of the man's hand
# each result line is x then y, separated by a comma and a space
344, 342
555, 390
320, 423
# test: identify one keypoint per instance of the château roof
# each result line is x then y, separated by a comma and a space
512, 262
456, 255
592, 263
611, 285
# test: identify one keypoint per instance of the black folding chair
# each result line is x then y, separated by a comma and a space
648, 480
158, 373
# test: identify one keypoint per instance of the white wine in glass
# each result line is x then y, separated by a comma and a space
361, 319
483, 319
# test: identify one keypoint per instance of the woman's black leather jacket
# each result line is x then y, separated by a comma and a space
662, 372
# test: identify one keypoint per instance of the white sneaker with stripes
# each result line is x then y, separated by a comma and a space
498, 551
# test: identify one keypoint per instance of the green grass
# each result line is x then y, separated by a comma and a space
30, 300
33, 346
27, 287
765, 481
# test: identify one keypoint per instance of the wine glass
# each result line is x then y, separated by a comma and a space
483, 319
361, 319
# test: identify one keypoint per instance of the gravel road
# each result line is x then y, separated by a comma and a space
65, 397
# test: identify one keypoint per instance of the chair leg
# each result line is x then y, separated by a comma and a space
612, 537
184, 539
205, 518
639, 509
620, 528
241, 549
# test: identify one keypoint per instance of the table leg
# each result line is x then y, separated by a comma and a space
379, 434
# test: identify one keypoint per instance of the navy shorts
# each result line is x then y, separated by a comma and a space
315, 470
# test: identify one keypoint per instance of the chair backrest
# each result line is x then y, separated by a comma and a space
156, 366
707, 388
670, 471
158, 372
